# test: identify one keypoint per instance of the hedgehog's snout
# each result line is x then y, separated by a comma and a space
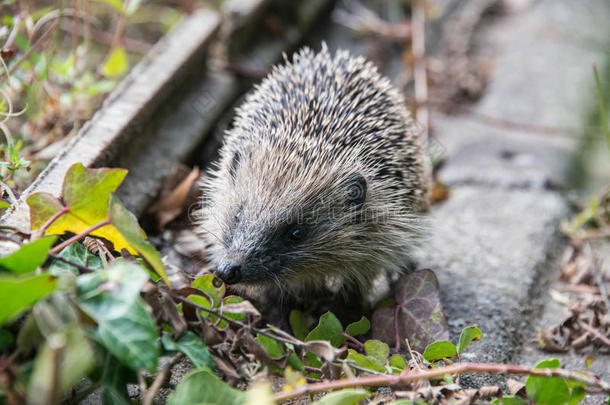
229, 272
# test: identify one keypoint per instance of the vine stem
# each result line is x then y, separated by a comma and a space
81, 235
58, 214
416, 375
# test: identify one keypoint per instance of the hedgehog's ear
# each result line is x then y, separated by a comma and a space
356, 190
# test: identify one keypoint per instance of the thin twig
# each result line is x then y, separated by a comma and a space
148, 396
395, 326
78, 237
604, 339
353, 340
492, 368
27, 53
80, 267
596, 269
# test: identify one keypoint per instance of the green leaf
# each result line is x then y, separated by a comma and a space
125, 327
377, 349
296, 363
577, 394
468, 335
28, 257
439, 350
66, 355
4, 204
358, 328
329, 328
201, 386
127, 225
298, 324
233, 299
20, 292
367, 362
76, 253
116, 64
398, 362
210, 285
545, 390
191, 345
510, 400
116, 4
348, 396
114, 379
274, 349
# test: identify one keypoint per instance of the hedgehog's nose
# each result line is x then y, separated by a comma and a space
229, 272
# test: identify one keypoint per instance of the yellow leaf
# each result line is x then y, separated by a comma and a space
116, 64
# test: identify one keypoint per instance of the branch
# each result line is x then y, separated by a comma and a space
389, 380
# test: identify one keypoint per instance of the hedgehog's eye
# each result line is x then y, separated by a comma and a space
296, 233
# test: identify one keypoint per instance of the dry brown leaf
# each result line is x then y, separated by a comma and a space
173, 205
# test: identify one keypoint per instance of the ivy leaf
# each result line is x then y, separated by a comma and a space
114, 377
468, 335
398, 362
367, 362
127, 226
329, 328
28, 257
76, 253
420, 315
545, 390
298, 324
20, 292
378, 350
191, 345
348, 396
439, 350
125, 327
201, 386
358, 328
116, 64
210, 285
86, 193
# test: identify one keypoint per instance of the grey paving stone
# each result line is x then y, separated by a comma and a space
495, 240
490, 249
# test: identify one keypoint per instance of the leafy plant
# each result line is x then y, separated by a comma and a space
106, 318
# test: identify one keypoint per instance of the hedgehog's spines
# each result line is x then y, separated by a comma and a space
299, 136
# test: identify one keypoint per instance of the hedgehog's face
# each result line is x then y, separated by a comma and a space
283, 232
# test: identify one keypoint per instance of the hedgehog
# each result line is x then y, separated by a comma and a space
320, 188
